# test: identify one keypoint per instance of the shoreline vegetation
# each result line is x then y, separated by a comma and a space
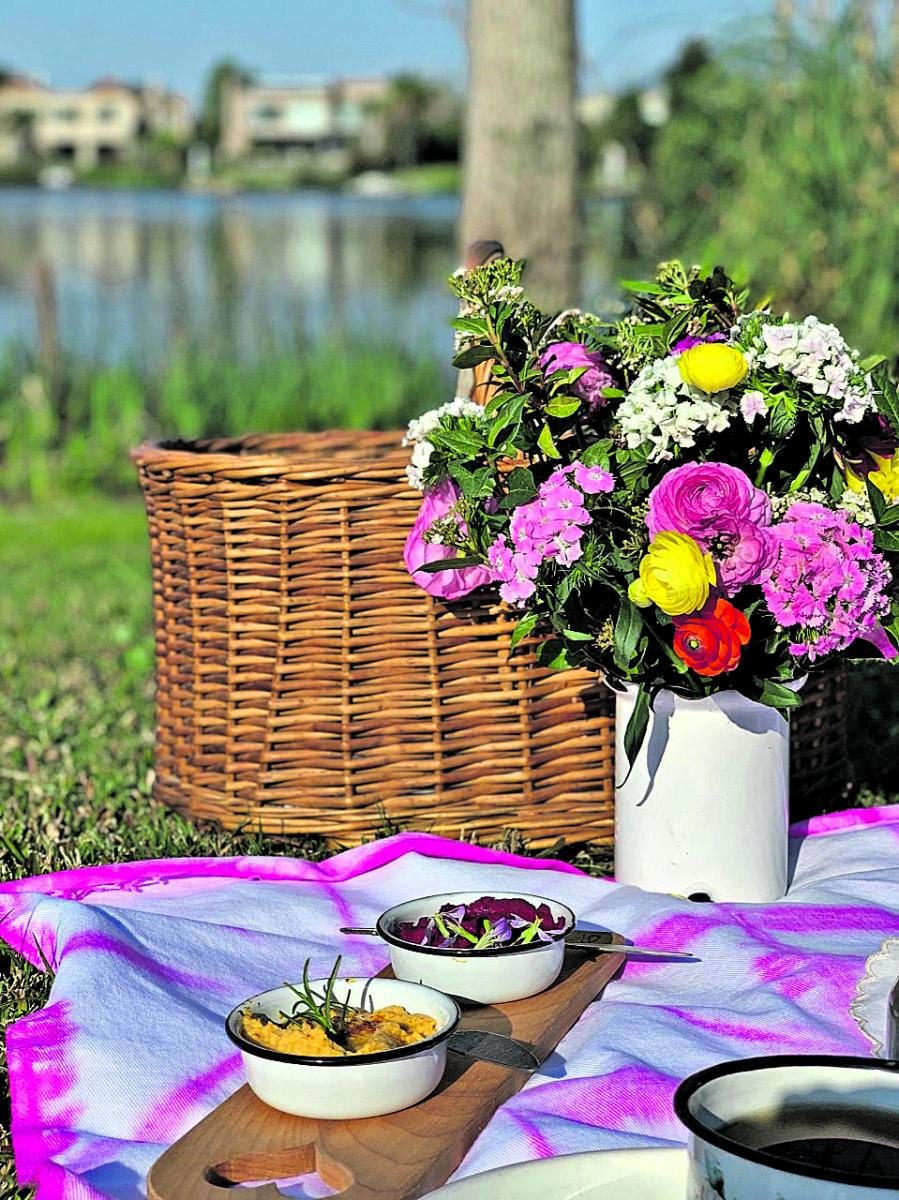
423, 179
67, 426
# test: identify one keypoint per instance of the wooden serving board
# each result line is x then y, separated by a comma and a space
397, 1157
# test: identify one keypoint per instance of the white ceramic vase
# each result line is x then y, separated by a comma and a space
705, 809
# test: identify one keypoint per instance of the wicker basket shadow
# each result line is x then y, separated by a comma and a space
307, 685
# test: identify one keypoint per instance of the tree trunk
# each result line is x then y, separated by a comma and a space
521, 143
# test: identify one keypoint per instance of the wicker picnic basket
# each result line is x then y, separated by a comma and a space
306, 684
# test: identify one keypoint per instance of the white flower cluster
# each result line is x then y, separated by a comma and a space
420, 427
856, 504
663, 410
817, 356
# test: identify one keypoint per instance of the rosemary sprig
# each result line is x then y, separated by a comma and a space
320, 1010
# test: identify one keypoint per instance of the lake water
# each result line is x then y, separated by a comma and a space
135, 273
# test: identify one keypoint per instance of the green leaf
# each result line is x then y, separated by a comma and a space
562, 407
775, 695
636, 730
872, 361
523, 628
627, 632
642, 285
510, 415
613, 393
546, 443
890, 516
463, 441
809, 466
597, 455
522, 488
577, 635
449, 564
475, 484
676, 325
471, 356
886, 398
476, 325
887, 539
875, 495
782, 417
553, 654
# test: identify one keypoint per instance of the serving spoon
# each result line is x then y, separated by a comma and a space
577, 939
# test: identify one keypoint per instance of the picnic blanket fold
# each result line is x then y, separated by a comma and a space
148, 957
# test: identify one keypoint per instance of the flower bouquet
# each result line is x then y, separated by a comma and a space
696, 499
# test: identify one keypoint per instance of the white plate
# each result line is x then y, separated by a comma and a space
601, 1175
872, 993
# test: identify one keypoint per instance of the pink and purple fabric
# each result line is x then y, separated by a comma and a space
129, 1052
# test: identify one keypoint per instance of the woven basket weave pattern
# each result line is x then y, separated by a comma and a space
306, 684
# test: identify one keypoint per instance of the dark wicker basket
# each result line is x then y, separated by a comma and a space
306, 684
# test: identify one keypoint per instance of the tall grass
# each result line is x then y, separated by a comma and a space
72, 432
782, 160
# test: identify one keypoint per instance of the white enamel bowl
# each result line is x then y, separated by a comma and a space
482, 976
367, 1085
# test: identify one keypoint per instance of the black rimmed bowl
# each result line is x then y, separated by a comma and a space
361, 1085
482, 976
793, 1127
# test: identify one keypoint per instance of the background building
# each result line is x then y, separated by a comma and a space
107, 122
317, 122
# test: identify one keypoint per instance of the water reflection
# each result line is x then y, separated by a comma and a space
136, 273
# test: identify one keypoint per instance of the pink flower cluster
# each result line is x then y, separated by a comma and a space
724, 513
829, 581
568, 356
548, 527
687, 343
439, 504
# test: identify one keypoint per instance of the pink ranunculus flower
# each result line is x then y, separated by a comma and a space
699, 491
567, 356
742, 551
450, 584
720, 508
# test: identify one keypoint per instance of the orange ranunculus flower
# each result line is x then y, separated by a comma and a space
709, 641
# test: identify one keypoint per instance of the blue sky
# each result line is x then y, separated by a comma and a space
72, 42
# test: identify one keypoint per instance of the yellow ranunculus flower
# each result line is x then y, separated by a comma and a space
712, 366
885, 478
674, 574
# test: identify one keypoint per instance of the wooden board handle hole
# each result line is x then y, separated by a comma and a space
268, 1167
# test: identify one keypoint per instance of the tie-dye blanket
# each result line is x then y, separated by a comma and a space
129, 1053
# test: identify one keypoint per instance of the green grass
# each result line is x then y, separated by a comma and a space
428, 178
76, 720
70, 430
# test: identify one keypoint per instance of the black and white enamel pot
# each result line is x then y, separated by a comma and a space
793, 1127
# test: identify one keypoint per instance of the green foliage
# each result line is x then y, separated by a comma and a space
780, 156
222, 74
77, 435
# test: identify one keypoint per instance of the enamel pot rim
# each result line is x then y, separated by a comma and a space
692, 1084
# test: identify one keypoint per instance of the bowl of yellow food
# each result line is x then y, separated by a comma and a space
343, 1048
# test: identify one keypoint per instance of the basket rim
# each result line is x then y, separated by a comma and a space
323, 453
